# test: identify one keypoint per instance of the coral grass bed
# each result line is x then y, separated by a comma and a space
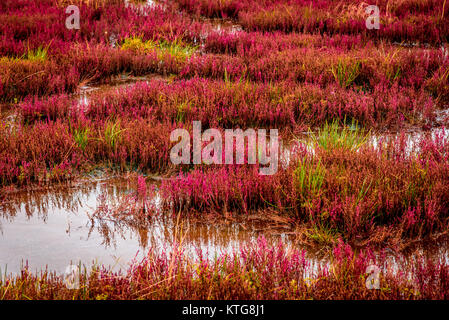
361, 113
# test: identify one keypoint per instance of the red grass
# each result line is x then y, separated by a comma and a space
256, 271
49, 151
245, 104
296, 65
364, 196
422, 21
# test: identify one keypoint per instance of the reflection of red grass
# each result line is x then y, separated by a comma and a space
133, 208
256, 271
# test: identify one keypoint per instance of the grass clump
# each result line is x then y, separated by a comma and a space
309, 178
40, 54
81, 137
345, 72
34, 55
113, 134
332, 136
176, 49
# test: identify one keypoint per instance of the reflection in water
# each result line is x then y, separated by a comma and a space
142, 6
85, 92
410, 140
57, 226
225, 26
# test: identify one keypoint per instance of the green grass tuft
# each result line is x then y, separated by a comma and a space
332, 136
